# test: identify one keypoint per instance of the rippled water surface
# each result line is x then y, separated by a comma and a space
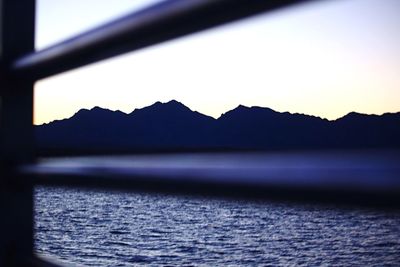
126, 229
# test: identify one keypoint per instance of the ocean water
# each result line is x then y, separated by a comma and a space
95, 228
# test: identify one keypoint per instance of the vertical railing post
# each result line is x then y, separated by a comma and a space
16, 133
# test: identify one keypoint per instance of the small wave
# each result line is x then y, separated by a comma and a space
116, 243
140, 259
119, 232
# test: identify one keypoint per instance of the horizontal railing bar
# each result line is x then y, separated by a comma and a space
41, 260
347, 178
148, 184
42, 263
161, 22
68, 152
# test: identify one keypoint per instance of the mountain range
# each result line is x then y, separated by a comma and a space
173, 125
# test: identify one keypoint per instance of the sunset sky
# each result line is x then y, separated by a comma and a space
324, 59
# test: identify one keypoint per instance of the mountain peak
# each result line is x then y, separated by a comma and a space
172, 104
242, 107
241, 110
158, 103
94, 109
96, 113
352, 116
166, 108
353, 113
177, 104
100, 109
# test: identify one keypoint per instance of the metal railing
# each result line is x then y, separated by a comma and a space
21, 66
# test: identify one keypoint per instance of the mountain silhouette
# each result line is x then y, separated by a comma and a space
173, 125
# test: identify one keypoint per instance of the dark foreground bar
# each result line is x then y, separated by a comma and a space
362, 178
46, 261
158, 23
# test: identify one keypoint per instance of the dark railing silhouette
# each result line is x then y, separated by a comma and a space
21, 66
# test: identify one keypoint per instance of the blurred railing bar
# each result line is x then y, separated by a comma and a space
360, 178
44, 261
158, 23
350, 197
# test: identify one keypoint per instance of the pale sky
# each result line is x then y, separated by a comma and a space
323, 59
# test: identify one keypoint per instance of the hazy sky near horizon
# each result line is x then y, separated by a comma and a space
324, 59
